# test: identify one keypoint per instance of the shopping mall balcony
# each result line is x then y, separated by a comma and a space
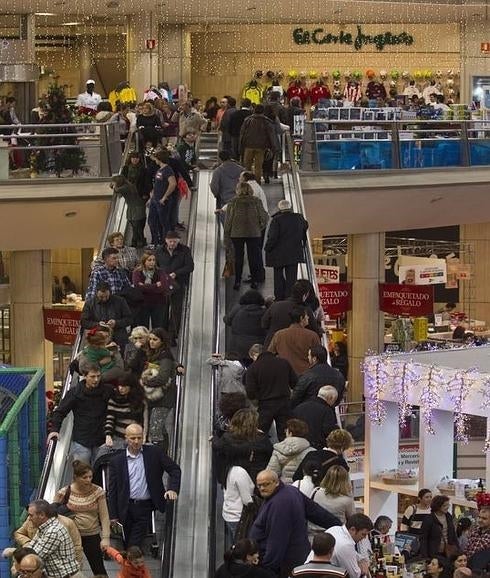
362, 176
357, 176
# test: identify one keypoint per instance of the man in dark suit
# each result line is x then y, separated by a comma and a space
136, 485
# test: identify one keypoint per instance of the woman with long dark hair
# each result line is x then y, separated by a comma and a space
438, 534
242, 560
159, 384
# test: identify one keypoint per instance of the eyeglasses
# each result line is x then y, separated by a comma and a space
28, 572
264, 484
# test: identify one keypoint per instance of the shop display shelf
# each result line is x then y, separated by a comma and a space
408, 489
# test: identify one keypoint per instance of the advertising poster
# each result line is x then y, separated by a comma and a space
61, 325
335, 298
407, 300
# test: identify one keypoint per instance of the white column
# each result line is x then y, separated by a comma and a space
85, 65
142, 63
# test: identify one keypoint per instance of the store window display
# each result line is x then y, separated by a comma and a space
253, 91
296, 89
352, 92
319, 91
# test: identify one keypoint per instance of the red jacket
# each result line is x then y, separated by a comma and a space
127, 569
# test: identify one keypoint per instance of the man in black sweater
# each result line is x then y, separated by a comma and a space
88, 402
319, 414
269, 380
319, 374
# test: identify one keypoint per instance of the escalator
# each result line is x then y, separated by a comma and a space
288, 188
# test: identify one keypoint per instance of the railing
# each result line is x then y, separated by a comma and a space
346, 145
22, 427
115, 222
46, 150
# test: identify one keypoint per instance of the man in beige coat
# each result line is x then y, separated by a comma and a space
27, 531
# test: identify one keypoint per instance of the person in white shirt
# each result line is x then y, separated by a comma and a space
238, 492
347, 537
89, 98
431, 89
411, 90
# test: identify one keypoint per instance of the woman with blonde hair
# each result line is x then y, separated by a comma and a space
150, 280
337, 442
335, 493
242, 445
149, 125
244, 222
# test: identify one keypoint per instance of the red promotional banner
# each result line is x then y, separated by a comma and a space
335, 298
409, 300
61, 325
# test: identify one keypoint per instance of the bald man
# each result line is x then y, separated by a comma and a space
32, 566
136, 485
281, 526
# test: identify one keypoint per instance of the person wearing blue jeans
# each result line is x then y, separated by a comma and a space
87, 400
162, 197
238, 492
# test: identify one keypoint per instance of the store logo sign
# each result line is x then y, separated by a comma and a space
319, 36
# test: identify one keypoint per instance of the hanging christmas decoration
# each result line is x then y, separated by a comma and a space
430, 397
459, 389
403, 381
375, 379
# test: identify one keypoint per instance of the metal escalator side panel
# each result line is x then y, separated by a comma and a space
54, 473
192, 536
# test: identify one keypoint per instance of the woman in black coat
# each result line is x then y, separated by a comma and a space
242, 445
245, 322
438, 534
285, 248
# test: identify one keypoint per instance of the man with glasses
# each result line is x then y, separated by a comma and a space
281, 529
31, 566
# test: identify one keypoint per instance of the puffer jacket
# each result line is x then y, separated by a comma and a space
245, 217
287, 456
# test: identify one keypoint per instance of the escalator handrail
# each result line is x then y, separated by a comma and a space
51, 447
168, 545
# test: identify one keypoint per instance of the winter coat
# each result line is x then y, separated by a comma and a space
136, 205
251, 455
224, 181
258, 132
237, 119
246, 328
281, 530
230, 375
286, 239
152, 294
293, 344
431, 535
165, 379
320, 418
269, 377
245, 217
315, 377
287, 456
179, 262
89, 408
115, 308
277, 317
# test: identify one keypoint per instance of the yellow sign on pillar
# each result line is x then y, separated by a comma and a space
420, 328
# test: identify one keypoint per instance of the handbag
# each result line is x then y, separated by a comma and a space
183, 188
169, 284
62, 508
247, 518
228, 269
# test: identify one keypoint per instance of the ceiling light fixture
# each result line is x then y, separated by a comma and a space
71, 23
44, 14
